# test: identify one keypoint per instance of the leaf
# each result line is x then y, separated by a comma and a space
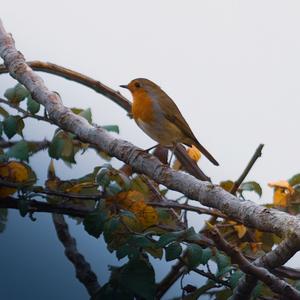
1, 129
94, 223
227, 185
20, 151
123, 251
222, 261
137, 276
9, 94
3, 218
20, 92
32, 105
62, 147
251, 186
87, 114
235, 277
194, 255
240, 229
140, 241
173, 251
294, 180
191, 235
109, 227
112, 128
23, 206
169, 237
10, 126
20, 125
206, 256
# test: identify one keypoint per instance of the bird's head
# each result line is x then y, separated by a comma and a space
140, 84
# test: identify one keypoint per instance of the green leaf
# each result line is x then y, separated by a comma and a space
194, 255
23, 206
112, 128
9, 94
137, 276
251, 186
173, 251
87, 114
56, 147
123, 251
3, 218
20, 125
20, 151
1, 128
191, 235
234, 279
222, 261
32, 105
294, 180
169, 237
10, 126
94, 223
140, 241
20, 92
109, 228
206, 256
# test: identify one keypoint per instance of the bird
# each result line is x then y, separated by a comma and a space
160, 118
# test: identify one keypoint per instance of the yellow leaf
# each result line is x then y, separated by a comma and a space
192, 152
282, 192
240, 229
12, 171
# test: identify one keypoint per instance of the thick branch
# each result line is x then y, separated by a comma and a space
38, 206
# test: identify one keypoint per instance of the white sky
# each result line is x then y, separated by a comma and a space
232, 67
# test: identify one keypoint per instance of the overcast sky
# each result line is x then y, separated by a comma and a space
232, 67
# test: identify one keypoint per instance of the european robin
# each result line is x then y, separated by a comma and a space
159, 117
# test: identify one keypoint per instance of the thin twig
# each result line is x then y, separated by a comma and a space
255, 156
26, 113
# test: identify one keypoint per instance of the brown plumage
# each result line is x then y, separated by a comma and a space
157, 114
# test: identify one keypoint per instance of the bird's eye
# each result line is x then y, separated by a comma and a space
137, 85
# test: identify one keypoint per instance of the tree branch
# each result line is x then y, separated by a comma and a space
274, 283
255, 156
84, 273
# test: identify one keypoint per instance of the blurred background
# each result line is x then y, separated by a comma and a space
232, 67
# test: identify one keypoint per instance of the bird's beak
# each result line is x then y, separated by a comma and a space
125, 86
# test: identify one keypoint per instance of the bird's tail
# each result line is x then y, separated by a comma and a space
204, 152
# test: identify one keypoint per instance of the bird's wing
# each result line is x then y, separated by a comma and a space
173, 114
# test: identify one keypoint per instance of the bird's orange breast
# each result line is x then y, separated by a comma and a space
142, 107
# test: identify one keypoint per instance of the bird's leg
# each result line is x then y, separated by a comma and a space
172, 153
155, 146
